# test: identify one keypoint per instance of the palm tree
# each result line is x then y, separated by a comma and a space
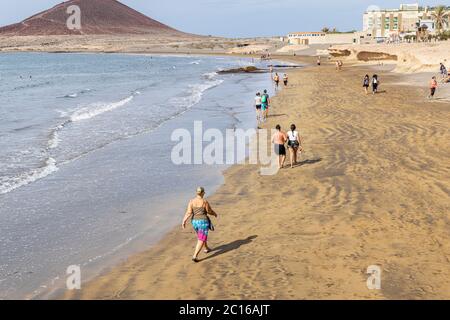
440, 16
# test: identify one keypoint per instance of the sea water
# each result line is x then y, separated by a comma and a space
85, 144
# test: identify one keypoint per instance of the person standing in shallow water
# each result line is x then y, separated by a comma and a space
198, 210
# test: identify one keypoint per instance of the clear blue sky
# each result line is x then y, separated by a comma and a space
233, 18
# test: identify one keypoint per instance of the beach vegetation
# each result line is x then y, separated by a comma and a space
441, 17
336, 31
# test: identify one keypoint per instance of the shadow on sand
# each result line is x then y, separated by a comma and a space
306, 162
230, 247
277, 115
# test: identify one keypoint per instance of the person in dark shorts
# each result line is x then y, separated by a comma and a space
279, 140
366, 83
285, 80
375, 83
258, 103
294, 144
277, 80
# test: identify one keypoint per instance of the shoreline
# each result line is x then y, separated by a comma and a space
293, 259
136, 247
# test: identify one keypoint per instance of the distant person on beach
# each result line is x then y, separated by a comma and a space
199, 210
447, 79
318, 61
375, 84
285, 80
277, 80
294, 145
279, 140
433, 87
265, 105
366, 83
443, 71
271, 69
258, 102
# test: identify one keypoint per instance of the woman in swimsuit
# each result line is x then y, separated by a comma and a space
198, 210
277, 80
293, 145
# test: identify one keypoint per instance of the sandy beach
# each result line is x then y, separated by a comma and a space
372, 189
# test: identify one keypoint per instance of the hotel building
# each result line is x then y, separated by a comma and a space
385, 23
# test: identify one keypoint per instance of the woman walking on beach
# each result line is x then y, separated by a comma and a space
294, 145
285, 80
375, 83
265, 104
279, 140
258, 103
433, 87
198, 210
277, 80
366, 83
443, 71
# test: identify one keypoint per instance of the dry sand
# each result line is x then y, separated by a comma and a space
372, 189
409, 57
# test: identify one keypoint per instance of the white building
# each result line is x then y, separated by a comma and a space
388, 23
308, 38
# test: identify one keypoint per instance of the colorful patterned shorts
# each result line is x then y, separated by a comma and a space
201, 227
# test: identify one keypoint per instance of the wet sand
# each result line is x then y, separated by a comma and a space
373, 188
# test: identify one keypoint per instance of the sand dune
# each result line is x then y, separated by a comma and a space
409, 57
372, 189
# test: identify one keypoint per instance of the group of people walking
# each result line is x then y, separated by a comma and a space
262, 104
375, 82
294, 144
276, 79
445, 78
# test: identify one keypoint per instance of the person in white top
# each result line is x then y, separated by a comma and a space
258, 102
294, 145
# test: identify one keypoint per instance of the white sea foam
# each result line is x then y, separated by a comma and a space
54, 140
195, 94
97, 109
210, 75
8, 184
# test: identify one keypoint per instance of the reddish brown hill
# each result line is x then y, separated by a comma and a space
97, 17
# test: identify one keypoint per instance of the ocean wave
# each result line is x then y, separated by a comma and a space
76, 94
195, 62
8, 184
195, 94
32, 85
210, 75
88, 113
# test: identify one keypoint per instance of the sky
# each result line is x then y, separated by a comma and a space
233, 18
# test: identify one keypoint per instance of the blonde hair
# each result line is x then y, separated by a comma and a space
200, 190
